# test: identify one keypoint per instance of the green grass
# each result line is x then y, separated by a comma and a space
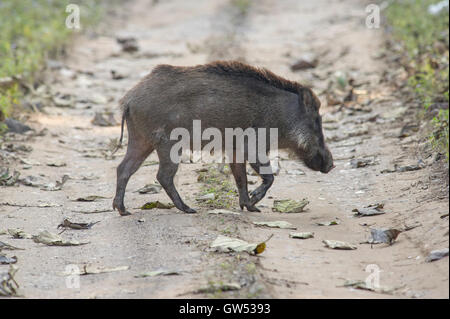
213, 181
30, 32
425, 39
439, 137
242, 5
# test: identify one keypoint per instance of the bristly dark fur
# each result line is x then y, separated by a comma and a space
236, 68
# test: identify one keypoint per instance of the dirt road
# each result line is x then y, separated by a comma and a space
268, 33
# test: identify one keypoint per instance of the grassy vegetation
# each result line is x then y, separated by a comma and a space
425, 39
242, 5
30, 32
213, 181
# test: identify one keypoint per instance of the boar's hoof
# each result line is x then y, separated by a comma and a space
189, 210
253, 209
122, 210
250, 208
256, 196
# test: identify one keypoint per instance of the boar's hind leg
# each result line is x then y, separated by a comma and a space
240, 176
260, 192
136, 154
166, 172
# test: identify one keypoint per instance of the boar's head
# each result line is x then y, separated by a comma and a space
309, 142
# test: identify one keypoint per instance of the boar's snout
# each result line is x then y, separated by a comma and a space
322, 161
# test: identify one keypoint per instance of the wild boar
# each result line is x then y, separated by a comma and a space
222, 94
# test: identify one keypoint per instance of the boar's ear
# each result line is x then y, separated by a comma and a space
309, 99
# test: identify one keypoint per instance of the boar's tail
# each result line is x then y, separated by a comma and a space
124, 115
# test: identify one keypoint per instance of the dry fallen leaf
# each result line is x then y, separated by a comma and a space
437, 254
158, 273
93, 269
56, 164
215, 287
304, 64
383, 235
359, 284
95, 211
228, 244
276, 224
104, 119
6, 179
6, 246
304, 235
157, 204
68, 224
150, 189
47, 238
289, 206
330, 223
5, 260
371, 210
222, 212
57, 186
8, 285
336, 244
18, 233
90, 198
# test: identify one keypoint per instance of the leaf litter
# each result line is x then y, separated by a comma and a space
56, 164
359, 284
228, 244
336, 244
437, 254
328, 223
7, 246
50, 239
358, 163
104, 119
7, 179
215, 287
66, 223
276, 224
93, 270
150, 189
95, 211
303, 235
383, 235
371, 210
289, 206
157, 204
222, 212
57, 186
5, 260
90, 198
18, 233
8, 285
159, 272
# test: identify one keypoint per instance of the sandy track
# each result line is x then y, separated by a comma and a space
272, 34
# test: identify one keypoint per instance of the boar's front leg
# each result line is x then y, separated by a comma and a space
261, 190
240, 176
166, 173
